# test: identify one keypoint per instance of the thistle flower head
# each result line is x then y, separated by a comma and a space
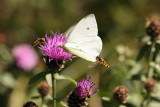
80, 95
84, 88
30, 104
55, 55
52, 47
150, 85
153, 29
120, 94
44, 89
25, 56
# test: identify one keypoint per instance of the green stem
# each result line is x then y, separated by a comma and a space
54, 92
146, 100
53, 89
150, 69
42, 100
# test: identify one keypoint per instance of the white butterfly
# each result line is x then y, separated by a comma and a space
83, 39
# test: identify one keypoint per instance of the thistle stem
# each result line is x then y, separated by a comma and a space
150, 69
150, 72
53, 89
42, 101
145, 101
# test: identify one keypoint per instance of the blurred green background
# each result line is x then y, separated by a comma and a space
120, 23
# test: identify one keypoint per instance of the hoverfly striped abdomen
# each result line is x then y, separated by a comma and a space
102, 61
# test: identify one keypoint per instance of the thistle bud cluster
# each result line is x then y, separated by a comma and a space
153, 29
150, 85
30, 104
120, 94
44, 89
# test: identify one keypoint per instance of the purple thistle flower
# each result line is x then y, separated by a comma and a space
79, 96
52, 48
84, 88
30, 104
25, 56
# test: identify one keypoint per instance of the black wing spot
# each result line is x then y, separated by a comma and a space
87, 28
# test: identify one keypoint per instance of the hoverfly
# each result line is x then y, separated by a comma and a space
102, 61
87, 92
39, 41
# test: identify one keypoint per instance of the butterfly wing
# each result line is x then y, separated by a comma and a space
83, 40
69, 31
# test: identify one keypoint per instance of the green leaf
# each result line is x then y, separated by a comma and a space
49, 97
155, 66
49, 79
106, 99
158, 41
38, 77
35, 97
59, 77
62, 77
61, 103
134, 71
142, 52
155, 99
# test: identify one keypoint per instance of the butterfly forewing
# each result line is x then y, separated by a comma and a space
83, 37
86, 27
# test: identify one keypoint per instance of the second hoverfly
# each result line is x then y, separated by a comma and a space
39, 41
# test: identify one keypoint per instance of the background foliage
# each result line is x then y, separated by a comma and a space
121, 25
